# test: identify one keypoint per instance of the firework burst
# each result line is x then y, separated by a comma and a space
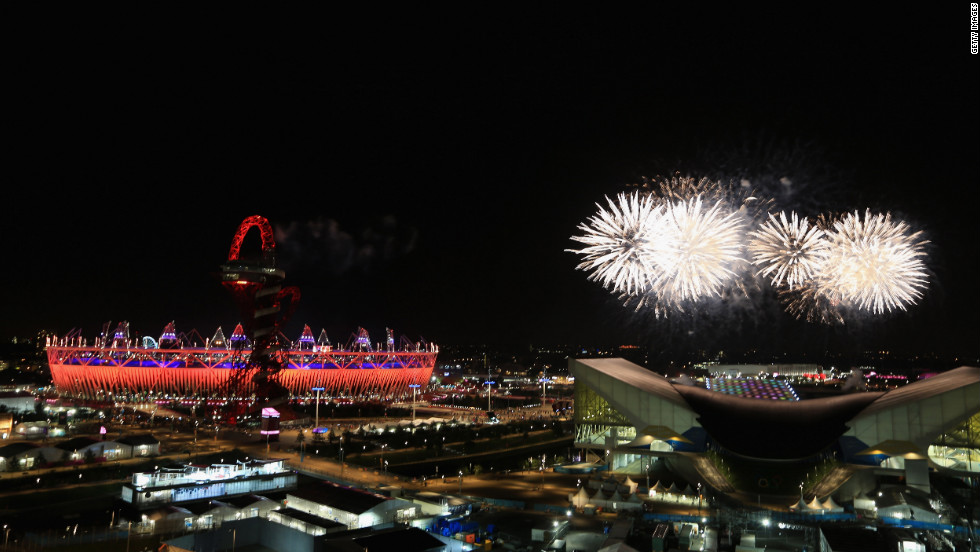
663, 250
696, 250
788, 250
872, 264
617, 243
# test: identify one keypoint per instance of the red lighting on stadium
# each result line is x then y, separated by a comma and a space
257, 360
93, 371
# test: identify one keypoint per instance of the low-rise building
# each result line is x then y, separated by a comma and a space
18, 401
19, 455
306, 522
352, 507
82, 449
6, 425
250, 506
184, 484
135, 446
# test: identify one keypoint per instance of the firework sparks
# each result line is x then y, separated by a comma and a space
679, 243
873, 264
685, 245
788, 250
617, 243
808, 303
695, 249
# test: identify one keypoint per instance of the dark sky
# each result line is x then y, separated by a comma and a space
428, 177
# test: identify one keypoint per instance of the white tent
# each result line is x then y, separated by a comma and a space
632, 485
832, 506
598, 498
815, 505
689, 490
800, 505
579, 499
616, 497
659, 488
673, 489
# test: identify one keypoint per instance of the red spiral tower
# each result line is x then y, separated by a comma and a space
256, 285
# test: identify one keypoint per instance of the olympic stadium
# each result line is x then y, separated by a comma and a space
174, 365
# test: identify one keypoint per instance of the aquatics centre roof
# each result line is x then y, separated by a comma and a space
917, 412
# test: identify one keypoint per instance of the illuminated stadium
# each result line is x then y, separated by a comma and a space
173, 365
258, 360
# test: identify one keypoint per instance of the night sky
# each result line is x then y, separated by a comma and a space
428, 177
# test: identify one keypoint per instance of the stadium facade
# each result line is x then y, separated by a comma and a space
120, 366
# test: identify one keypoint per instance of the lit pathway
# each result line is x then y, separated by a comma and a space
835, 479
710, 473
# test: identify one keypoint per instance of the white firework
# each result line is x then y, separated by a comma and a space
788, 250
617, 248
873, 264
696, 250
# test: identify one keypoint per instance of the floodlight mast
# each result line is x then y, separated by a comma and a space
316, 423
415, 388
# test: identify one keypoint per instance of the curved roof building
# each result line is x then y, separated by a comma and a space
616, 392
628, 414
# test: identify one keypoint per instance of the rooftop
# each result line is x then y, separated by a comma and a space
13, 449
339, 497
312, 519
136, 440
77, 443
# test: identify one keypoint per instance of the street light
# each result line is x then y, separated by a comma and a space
489, 383
460, 482
341, 456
